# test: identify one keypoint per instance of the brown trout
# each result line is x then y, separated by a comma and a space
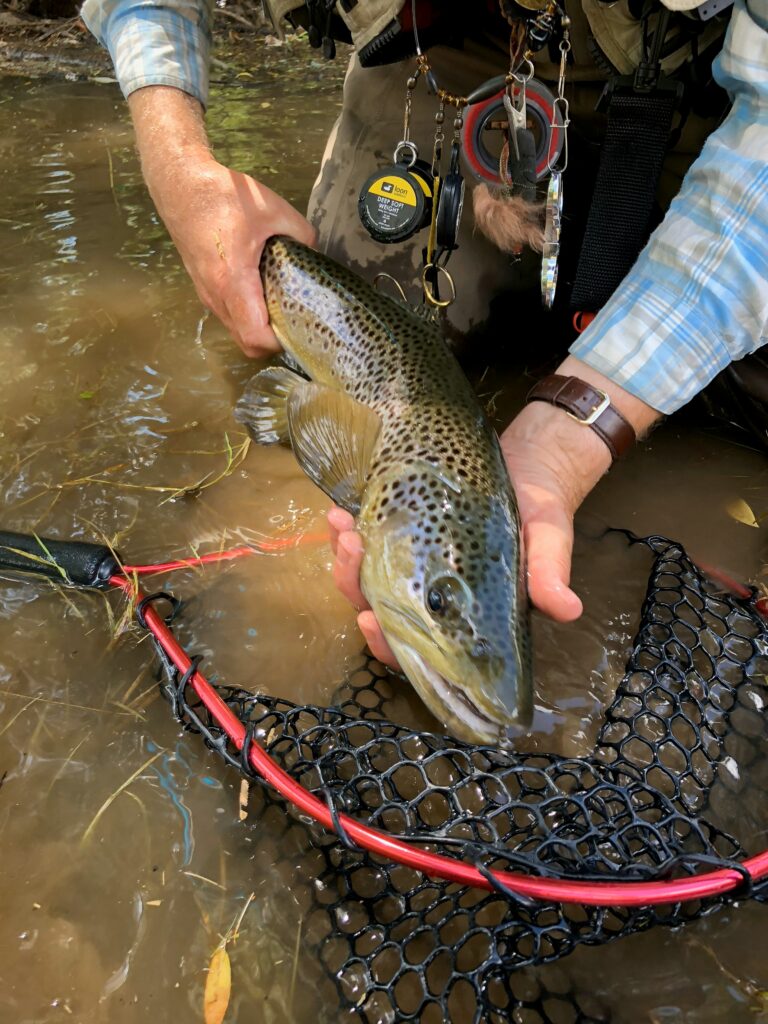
389, 427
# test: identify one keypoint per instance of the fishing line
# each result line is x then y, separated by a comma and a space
272, 544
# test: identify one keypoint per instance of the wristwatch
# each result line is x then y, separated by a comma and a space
589, 406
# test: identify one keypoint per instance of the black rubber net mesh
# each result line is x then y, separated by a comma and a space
388, 944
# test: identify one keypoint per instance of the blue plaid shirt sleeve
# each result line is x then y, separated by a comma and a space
155, 43
697, 297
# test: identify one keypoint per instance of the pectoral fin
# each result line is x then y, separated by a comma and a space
333, 438
263, 407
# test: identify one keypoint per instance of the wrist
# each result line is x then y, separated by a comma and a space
573, 453
638, 413
597, 408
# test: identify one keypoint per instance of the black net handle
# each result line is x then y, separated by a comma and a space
73, 562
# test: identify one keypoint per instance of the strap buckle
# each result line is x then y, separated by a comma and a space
642, 82
596, 412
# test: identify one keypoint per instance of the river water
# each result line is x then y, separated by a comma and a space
123, 856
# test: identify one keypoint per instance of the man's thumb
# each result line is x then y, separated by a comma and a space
549, 546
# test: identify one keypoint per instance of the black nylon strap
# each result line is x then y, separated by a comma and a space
633, 152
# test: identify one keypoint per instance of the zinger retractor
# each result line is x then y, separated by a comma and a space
484, 118
450, 205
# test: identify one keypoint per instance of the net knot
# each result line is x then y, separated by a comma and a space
744, 890
150, 599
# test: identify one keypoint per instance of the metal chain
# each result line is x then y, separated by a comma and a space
437, 149
406, 144
449, 98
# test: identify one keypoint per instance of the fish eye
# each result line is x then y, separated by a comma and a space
447, 593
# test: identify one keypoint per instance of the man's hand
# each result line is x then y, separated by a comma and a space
220, 222
554, 463
218, 218
347, 547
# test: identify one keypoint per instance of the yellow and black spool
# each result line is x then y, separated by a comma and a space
396, 201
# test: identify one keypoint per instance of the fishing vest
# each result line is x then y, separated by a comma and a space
614, 31
370, 24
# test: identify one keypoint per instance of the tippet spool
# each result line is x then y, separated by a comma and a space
481, 154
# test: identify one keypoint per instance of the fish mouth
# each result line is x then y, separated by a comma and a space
464, 718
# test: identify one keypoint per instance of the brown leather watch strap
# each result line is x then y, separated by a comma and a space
589, 406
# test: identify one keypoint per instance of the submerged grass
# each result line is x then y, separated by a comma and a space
203, 878
235, 455
218, 984
19, 713
140, 704
295, 968
758, 996
113, 796
64, 703
65, 764
61, 591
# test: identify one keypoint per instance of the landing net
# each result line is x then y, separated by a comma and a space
441, 881
640, 833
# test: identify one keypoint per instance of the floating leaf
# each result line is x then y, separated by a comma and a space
86, 394
218, 987
243, 801
739, 510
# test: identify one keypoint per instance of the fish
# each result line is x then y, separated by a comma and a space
381, 417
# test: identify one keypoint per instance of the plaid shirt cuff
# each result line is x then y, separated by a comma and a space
155, 44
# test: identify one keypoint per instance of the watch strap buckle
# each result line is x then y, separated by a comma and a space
589, 407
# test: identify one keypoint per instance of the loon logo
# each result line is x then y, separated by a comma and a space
387, 186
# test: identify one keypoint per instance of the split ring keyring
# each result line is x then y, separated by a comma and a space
429, 294
403, 146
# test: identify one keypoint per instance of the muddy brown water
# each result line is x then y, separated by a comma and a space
113, 398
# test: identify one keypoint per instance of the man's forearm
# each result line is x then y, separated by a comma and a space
219, 218
171, 139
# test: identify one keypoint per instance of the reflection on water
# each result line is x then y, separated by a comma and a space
113, 402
